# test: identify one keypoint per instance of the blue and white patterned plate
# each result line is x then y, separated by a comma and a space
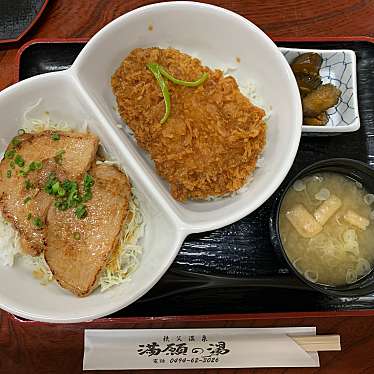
338, 68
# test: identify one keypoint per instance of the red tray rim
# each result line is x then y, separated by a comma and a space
26, 45
105, 321
28, 28
129, 321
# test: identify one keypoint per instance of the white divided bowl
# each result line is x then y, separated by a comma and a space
83, 92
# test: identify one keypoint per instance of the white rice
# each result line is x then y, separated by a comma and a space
248, 89
10, 244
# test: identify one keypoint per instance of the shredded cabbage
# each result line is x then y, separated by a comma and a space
39, 267
10, 244
126, 258
44, 122
229, 68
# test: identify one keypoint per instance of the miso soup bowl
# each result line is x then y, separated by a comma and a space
353, 169
221, 39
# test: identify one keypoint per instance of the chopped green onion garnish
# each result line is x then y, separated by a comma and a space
81, 211
32, 166
21, 131
67, 185
74, 197
10, 154
88, 182
38, 222
28, 184
87, 196
61, 192
76, 235
49, 185
23, 172
61, 205
19, 161
28, 198
73, 194
9, 173
12, 164
58, 157
67, 193
29, 216
55, 187
15, 141
55, 136
35, 165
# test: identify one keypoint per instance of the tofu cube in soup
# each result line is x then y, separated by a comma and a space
303, 221
327, 209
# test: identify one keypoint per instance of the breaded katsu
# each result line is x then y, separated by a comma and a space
213, 137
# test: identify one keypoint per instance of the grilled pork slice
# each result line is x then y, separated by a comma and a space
24, 171
78, 249
74, 150
25, 204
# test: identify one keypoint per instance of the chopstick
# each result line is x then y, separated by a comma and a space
318, 342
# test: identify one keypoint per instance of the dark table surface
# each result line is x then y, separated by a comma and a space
42, 348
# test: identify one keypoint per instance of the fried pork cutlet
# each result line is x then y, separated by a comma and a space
213, 137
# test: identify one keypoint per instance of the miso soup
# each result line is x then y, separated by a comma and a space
327, 229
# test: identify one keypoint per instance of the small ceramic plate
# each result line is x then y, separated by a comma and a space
338, 68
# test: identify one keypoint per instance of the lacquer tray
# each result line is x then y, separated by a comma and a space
235, 269
17, 17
